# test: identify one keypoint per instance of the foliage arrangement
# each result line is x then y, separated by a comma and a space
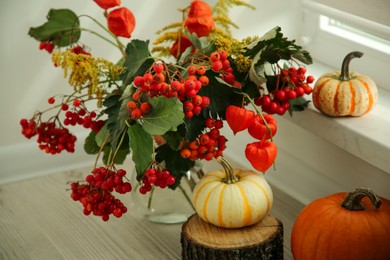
164, 114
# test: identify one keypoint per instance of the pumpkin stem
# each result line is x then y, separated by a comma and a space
353, 201
230, 177
344, 75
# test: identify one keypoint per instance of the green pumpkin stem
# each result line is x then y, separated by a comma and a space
344, 75
230, 177
353, 201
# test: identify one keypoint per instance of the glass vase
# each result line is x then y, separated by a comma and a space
167, 206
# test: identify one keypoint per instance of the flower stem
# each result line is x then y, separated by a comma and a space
119, 145
100, 36
186, 196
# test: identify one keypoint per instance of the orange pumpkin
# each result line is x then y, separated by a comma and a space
345, 93
343, 226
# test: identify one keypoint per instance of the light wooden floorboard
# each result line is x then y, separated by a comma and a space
38, 220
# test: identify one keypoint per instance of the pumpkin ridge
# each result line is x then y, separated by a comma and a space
220, 206
316, 97
204, 184
247, 209
264, 192
353, 94
206, 201
369, 94
336, 99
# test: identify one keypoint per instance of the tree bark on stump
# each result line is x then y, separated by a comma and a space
202, 240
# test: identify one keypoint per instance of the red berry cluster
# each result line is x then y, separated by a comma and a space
79, 114
51, 139
79, 50
221, 64
157, 82
292, 83
29, 128
138, 108
48, 46
158, 177
96, 195
208, 145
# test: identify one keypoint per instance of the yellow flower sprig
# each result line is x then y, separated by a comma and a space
85, 71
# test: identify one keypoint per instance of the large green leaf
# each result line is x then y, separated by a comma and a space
138, 60
166, 115
62, 28
141, 144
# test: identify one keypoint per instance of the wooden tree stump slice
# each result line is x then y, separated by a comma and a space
202, 240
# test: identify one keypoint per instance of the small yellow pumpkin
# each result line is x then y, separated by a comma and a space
232, 198
344, 93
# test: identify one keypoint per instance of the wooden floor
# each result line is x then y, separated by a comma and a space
38, 220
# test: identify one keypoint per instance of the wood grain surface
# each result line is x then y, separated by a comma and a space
204, 233
39, 220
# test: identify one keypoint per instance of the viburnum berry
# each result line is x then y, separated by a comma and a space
191, 70
131, 105
201, 70
158, 66
204, 80
156, 176
48, 46
96, 195
136, 114
215, 56
208, 145
76, 102
216, 66
51, 100
145, 108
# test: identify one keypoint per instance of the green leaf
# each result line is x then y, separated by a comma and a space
102, 135
114, 125
174, 162
120, 155
138, 60
221, 95
198, 42
173, 138
117, 114
90, 145
298, 104
195, 126
141, 144
166, 114
62, 28
271, 48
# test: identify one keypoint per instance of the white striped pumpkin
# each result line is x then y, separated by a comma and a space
344, 93
232, 205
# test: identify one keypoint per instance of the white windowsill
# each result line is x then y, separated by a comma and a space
367, 137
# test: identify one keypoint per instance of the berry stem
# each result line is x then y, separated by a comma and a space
119, 145
100, 150
118, 43
186, 196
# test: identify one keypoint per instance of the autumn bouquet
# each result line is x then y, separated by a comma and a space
164, 105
